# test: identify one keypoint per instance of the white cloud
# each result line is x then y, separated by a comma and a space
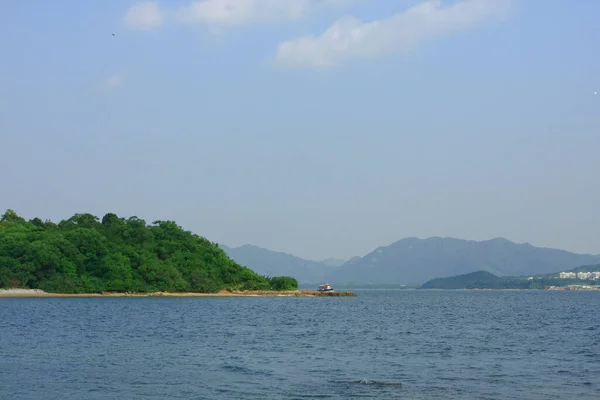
239, 12
113, 81
348, 38
144, 15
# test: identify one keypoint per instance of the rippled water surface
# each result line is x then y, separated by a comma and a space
381, 344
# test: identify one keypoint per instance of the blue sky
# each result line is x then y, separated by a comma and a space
316, 127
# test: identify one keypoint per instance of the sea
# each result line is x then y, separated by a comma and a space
382, 344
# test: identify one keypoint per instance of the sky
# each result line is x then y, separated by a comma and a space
315, 127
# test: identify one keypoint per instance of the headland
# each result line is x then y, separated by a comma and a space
27, 293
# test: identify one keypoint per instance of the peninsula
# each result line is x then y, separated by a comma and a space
582, 278
22, 293
85, 256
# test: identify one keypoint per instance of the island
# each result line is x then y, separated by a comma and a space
581, 278
86, 256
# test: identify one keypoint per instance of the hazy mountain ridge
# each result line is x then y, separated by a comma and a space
272, 263
333, 262
414, 261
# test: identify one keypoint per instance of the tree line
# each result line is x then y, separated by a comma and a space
84, 254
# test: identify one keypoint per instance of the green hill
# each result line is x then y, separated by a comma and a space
86, 255
474, 279
586, 268
486, 280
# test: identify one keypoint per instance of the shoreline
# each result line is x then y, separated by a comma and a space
28, 293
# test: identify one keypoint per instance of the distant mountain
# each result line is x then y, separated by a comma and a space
273, 263
352, 260
414, 261
333, 262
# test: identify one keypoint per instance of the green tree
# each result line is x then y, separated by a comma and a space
117, 272
284, 283
11, 216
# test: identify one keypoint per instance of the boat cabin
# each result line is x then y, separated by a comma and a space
325, 288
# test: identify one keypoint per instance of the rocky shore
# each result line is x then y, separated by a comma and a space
222, 293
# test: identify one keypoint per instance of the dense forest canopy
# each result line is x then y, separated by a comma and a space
85, 255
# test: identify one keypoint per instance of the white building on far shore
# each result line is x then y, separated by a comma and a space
595, 276
567, 275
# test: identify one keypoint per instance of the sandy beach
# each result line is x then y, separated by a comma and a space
23, 293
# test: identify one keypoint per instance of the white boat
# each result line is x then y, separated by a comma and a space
325, 288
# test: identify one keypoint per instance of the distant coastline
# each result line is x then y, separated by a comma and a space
28, 293
581, 278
